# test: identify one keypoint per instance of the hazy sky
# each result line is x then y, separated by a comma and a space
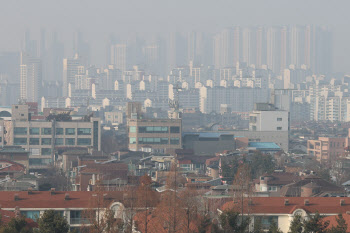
98, 18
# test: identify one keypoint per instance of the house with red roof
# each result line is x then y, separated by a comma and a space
282, 210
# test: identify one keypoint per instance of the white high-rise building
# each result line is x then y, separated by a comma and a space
70, 69
30, 78
119, 56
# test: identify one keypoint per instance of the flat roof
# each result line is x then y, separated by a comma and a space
264, 145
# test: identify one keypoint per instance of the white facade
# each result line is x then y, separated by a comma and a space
269, 121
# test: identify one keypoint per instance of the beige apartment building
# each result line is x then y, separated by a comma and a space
42, 138
158, 135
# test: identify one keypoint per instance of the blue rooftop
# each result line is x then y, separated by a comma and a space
264, 145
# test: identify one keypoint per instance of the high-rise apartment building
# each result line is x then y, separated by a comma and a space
119, 56
30, 78
70, 69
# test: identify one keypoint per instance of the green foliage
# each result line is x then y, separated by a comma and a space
259, 164
52, 222
274, 228
231, 221
341, 225
258, 226
59, 117
315, 224
296, 226
16, 225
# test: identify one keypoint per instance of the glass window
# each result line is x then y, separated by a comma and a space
39, 161
34, 131
84, 131
46, 131
45, 151
153, 140
132, 140
174, 129
70, 131
75, 217
84, 142
279, 119
34, 141
279, 128
153, 129
59, 131
20, 130
46, 141
34, 215
174, 141
132, 129
59, 141
70, 141
20, 141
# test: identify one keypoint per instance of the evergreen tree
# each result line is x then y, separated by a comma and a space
341, 225
296, 225
315, 224
52, 222
231, 222
16, 225
274, 228
258, 226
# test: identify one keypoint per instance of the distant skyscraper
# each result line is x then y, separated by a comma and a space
70, 69
119, 56
297, 43
236, 45
273, 48
223, 49
30, 78
259, 47
81, 47
248, 52
284, 48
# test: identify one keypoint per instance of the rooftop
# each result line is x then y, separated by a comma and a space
264, 145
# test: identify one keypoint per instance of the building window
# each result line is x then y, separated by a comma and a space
34, 131
70, 131
84, 131
34, 215
34, 141
46, 131
279, 128
162, 141
20, 141
59, 131
95, 133
70, 141
45, 151
174, 141
75, 217
266, 221
132, 140
174, 129
153, 129
46, 141
20, 131
39, 161
279, 119
59, 141
84, 142
132, 129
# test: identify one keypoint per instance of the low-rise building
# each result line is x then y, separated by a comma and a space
281, 210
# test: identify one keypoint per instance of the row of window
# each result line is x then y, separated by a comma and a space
173, 141
47, 141
48, 131
155, 129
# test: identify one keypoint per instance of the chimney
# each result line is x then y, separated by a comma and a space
306, 202
30, 191
342, 202
52, 191
16, 197
66, 197
286, 202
